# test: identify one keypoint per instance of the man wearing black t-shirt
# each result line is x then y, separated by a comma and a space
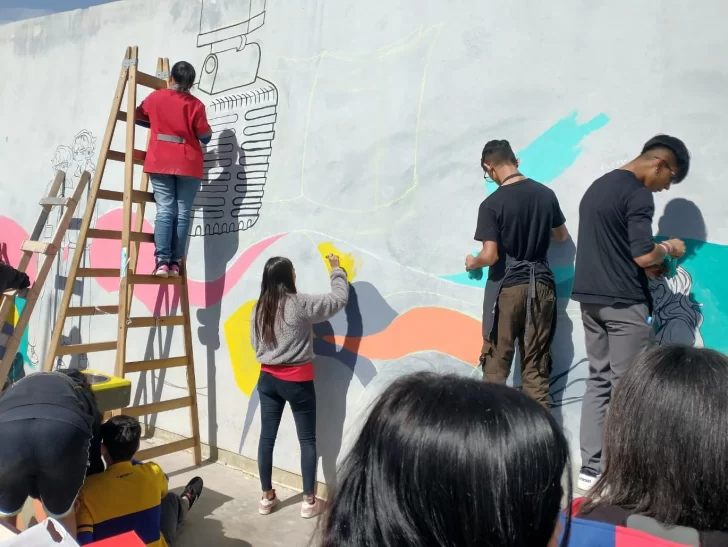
516, 224
615, 254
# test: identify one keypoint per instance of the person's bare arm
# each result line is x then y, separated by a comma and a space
560, 234
487, 256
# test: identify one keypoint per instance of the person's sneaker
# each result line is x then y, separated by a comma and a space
266, 506
193, 490
162, 270
310, 510
586, 481
174, 270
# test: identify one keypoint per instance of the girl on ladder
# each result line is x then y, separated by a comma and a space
178, 124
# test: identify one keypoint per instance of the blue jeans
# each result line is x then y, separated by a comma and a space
174, 195
274, 394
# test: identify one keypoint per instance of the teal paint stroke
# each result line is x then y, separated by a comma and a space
545, 159
705, 262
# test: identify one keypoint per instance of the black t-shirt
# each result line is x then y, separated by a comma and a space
615, 227
519, 217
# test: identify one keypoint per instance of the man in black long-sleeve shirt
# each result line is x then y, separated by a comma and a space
615, 255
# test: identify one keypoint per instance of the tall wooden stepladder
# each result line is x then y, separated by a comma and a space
131, 238
49, 251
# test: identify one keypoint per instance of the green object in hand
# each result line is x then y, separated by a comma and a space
476, 274
670, 266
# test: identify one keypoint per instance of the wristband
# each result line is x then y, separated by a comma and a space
668, 248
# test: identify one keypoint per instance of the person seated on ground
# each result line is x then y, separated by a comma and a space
666, 441
446, 460
131, 496
49, 443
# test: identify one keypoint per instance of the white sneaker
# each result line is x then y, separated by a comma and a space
586, 481
266, 506
310, 510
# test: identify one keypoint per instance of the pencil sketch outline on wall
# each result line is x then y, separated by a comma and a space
242, 112
73, 160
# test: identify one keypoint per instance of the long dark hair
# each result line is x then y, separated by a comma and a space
666, 440
277, 284
450, 461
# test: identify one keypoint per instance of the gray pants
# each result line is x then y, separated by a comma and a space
615, 337
174, 510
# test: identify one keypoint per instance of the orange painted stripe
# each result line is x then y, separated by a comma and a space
421, 329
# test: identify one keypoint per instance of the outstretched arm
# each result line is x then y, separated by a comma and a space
322, 307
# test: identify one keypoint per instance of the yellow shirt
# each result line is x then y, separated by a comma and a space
125, 498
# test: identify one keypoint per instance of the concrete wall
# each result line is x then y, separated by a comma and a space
356, 127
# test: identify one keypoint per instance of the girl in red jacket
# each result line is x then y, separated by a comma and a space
178, 124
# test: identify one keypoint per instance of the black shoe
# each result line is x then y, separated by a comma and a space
193, 490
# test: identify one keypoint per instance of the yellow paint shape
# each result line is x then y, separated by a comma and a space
348, 262
242, 356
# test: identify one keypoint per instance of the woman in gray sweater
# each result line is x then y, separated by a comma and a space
283, 343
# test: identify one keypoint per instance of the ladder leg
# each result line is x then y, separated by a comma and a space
87, 217
191, 381
124, 304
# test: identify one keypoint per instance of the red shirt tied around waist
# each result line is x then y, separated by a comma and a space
290, 373
178, 124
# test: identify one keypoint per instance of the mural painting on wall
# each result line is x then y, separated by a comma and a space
242, 114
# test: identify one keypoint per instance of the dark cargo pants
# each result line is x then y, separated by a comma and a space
534, 349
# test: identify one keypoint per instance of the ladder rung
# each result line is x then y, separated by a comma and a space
16, 292
164, 449
152, 82
156, 364
121, 116
137, 196
97, 272
55, 201
139, 156
142, 237
39, 247
83, 311
139, 279
75, 349
161, 406
165, 321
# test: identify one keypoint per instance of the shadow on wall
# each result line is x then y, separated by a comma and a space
677, 313
332, 388
219, 250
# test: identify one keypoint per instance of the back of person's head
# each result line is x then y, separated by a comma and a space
676, 147
666, 440
498, 152
121, 436
184, 75
279, 281
446, 460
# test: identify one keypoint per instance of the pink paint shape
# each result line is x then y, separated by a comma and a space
12, 236
107, 254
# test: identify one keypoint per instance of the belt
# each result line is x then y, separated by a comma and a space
170, 138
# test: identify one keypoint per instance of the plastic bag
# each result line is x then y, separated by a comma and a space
40, 536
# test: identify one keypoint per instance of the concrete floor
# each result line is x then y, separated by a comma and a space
227, 513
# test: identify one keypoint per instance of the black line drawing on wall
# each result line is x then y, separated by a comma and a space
678, 318
73, 160
242, 112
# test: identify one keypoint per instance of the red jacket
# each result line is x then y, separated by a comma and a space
178, 122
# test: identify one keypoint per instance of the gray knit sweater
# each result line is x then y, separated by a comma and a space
293, 330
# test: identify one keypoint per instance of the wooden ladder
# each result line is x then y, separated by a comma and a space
131, 239
49, 251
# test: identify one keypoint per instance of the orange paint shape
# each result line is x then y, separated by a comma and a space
421, 329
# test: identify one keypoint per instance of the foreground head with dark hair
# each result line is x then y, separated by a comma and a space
120, 437
183, 74
498, 161
444, 460
279, 280
666, 440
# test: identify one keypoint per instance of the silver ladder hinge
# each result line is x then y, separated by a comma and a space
130, 63
163, 75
